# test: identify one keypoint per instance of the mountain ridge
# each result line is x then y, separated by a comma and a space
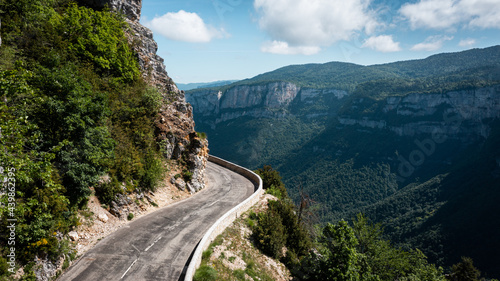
278, 74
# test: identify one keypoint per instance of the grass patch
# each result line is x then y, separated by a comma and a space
239, 274
205, 273
217, 241
206, 254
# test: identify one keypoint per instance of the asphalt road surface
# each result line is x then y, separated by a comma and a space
158, 246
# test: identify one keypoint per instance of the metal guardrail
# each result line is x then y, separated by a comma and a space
223, 222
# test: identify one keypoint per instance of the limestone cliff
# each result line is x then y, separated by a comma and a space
408, 115
175, 124
455, 114
270, 100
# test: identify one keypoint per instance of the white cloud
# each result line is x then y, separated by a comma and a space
311, 24
432, 43
282, 48
382, 43
483, 13
467, 42
184, 26
451, 14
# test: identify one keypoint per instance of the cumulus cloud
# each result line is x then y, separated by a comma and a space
382, 43
184, 26
467, 42
451, 14
282, 48
432, 43
307, 25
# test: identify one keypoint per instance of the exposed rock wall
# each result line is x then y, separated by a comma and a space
175, 124
456, 114
272, 95
271, 100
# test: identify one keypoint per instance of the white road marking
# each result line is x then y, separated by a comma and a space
213, 203
135, 248
156, 240
128, 268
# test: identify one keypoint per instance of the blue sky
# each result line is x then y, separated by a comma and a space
210, 40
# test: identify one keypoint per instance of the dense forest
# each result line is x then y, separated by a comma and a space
73, 107
338, 251
375, 149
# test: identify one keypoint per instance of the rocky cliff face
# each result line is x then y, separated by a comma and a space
271, 100
457, 114
175, 124
272, 95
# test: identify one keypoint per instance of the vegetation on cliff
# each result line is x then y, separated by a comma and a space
74, 107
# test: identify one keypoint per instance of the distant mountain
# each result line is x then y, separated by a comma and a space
413, 144
191, 86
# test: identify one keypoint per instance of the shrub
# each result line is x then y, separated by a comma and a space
187, 175
98, 37
130, 216
108, 191
205, 273
3, 266
271, 178
207, 253
274, 192
153, 171
298, 238
270, 234
152, 100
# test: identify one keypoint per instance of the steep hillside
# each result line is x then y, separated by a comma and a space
357, 138
86, 108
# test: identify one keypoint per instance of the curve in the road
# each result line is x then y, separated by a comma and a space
157, 246
223, 222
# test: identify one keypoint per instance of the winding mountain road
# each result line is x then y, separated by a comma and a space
158, 246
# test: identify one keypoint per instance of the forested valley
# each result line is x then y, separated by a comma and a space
412, 145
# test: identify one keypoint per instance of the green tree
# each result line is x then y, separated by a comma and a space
340, 252
298, 238
336, 257
99, 37
359, 253
270, 234
464, 271
271, 179
41, 209
382, 259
